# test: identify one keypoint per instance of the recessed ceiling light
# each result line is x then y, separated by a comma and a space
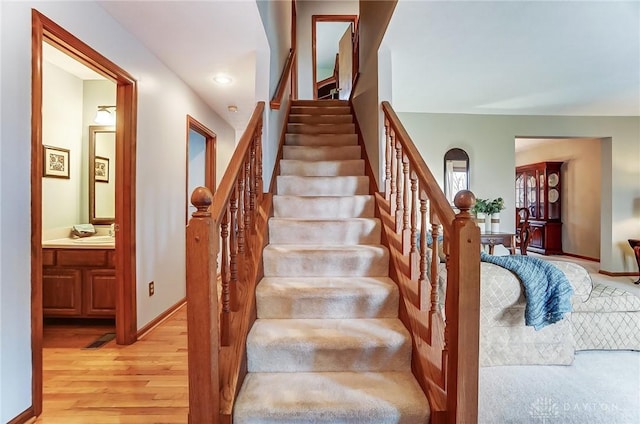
232, 108
222, 79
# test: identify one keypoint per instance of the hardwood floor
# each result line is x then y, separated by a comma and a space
142, 383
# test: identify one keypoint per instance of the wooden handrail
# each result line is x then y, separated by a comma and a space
276, 101
224, 244
416, 215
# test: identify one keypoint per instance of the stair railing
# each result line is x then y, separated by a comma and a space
285, 77
225, 238
416, 218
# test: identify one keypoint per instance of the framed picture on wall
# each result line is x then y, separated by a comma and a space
56, 162
101, 169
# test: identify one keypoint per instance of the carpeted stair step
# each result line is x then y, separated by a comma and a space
321, 139
321, 153
322, 168
312, 345
319, 103
321, 297
322, 186
320, 110
326, 231
291, 260
334, 397
321, 119
321, 129
323, 207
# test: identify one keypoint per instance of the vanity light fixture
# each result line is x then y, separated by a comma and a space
222, 79
104, 116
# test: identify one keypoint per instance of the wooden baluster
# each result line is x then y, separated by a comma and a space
225, 319
252, 185
414, 259
435, 278
423, 251
399, 187
394, 174
406, 229
241, 214
233, 242
247, 197
387, 163
203, 311
435, 257
258, 141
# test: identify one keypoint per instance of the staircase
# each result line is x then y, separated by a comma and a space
327, 345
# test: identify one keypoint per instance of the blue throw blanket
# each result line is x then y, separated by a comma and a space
546, 288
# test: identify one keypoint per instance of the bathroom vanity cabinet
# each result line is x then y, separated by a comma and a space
78, 283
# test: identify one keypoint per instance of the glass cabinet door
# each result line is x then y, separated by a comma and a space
531, 196
542, 196
520, 191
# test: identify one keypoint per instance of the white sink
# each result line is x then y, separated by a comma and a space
95, 240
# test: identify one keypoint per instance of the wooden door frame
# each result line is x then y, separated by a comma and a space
44, 29
209, 157
326, 18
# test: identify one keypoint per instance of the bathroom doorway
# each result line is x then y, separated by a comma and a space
46, 31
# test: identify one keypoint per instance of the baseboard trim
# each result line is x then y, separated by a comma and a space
586, 258
25, 416
619, 274
161, 318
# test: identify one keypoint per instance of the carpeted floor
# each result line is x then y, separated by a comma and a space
600, 387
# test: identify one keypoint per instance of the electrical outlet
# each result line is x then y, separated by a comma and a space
151, 289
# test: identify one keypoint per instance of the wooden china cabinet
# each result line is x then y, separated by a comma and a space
539, 189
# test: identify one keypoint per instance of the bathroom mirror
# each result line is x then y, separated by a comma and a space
102, 171
456, 172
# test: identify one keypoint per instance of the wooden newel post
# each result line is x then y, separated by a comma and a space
202, 311
463, 294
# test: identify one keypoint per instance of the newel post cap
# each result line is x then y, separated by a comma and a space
464, 201
201, 198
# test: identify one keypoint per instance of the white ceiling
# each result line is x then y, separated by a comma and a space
198, 40
513, 57
516, 57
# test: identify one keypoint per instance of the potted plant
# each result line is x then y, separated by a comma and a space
480, 211
493, 209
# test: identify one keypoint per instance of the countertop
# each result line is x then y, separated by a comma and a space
92, 242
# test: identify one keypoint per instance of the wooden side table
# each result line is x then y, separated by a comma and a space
635, 245
505, 239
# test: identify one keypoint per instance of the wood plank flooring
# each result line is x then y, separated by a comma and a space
143, 383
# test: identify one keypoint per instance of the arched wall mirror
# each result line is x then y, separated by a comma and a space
102, 171
456, 172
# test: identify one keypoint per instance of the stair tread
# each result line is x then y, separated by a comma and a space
304, 248
346, 397
343, 333
323, 206
316, 297
336, 140
312, 284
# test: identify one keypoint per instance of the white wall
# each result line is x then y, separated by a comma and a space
305, 10
374, 18
163, 103
276, 18
62, 127
580, 190
489, 141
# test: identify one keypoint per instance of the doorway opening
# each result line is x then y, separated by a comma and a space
201, 160
46, 31
334, 55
